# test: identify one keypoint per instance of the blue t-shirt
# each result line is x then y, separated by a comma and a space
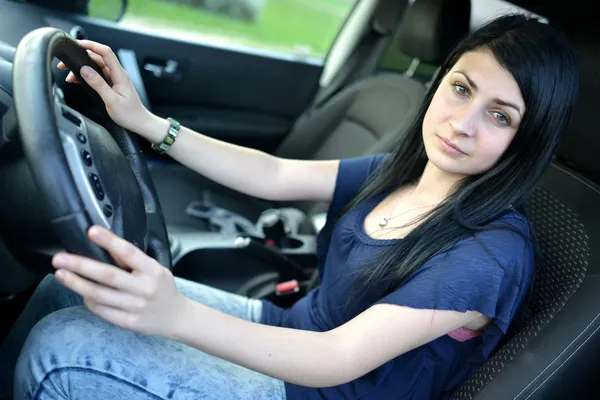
489, 272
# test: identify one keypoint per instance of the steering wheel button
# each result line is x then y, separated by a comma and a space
81, 137
98, 190
87, 158
108, 210
71, 117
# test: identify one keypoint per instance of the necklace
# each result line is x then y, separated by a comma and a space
386, 219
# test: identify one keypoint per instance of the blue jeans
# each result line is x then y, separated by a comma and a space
62, 351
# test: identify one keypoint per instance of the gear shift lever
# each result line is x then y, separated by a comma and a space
273, 227
275, 230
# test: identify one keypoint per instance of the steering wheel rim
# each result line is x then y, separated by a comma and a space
45, 148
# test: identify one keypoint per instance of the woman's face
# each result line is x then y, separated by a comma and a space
473, 115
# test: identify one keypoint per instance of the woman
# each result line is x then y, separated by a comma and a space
425, 260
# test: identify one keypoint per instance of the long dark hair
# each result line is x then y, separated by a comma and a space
545, 68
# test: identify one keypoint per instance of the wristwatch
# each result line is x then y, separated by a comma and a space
167, 142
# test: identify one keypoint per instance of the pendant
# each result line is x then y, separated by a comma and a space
383, 222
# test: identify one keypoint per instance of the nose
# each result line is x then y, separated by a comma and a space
464, 120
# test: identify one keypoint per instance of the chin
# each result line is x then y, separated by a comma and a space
455, 166
449, 166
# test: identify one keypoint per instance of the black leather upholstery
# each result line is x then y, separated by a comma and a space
553, 356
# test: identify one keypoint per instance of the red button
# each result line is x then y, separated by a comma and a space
287, 287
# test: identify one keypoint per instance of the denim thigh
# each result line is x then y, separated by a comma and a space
72, 354
51, 296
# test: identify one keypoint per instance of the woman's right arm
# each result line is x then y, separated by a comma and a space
246, 170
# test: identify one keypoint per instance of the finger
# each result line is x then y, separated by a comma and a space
102, 66
97, 59
100, 63
110, 59
113, 315
105, 274
106, 73
98, 293
120, 249
98, 83
71, 78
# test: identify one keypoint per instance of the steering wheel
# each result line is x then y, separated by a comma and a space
86, 174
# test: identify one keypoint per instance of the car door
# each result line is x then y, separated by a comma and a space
241, 71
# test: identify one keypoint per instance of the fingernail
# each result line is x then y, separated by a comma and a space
87, 72
60, 261
96, 232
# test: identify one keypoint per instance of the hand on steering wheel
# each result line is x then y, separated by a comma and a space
144, 299
122, 101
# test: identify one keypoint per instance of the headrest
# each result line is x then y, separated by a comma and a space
581, 144
386, 16
430, 29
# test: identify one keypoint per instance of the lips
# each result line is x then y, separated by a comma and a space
455, 147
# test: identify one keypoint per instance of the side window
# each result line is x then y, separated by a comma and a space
303, 27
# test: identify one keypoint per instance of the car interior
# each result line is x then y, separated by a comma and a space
345, 105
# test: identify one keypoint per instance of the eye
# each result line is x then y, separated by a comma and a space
501, 118
460, 89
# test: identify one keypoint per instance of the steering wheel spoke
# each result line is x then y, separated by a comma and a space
76, 145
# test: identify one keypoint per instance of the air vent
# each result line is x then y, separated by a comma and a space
77, 32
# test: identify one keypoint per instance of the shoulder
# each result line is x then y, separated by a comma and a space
509, 238
506, 236
363, 166
353, 173
505, 248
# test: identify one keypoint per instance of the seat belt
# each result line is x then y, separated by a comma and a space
363, 61
366, 50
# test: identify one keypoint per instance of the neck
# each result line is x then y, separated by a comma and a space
434, 185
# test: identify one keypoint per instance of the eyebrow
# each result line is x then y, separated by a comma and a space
499, 101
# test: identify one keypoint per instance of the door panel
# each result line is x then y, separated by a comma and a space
243, 97
215, 76
240, 97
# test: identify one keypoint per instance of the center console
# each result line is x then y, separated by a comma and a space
270, 261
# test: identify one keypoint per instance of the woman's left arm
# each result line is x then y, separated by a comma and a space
146, 299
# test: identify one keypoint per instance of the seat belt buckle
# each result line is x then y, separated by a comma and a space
287, 288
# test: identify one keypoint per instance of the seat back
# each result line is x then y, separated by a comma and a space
364, 113
556, 353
